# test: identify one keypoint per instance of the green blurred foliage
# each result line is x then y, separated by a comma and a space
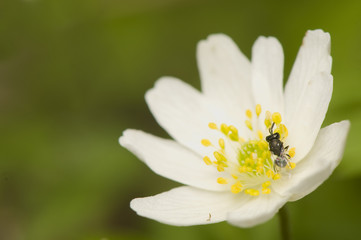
73, 76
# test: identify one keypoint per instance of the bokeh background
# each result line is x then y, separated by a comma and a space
73, 74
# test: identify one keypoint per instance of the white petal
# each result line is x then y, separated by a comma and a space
225, 74
256, 210
171, 160
308, 90
185, 206
303, 130
267, 73
183, 112
318, 165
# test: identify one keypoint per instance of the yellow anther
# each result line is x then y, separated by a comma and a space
276, 176
259, 168
221, 143
220, 168
248, 161
260, 135
263, 145
233, 129
283, 131
292, 165
260, 161
270, 173
220, 157
258, 109
234, 133
248, 191
292, 152
255, 192
249, 113
236, 188
249, 169
224, 128
212, 125
268, 119
266, 154
207, 160
266, 191
242, 169
249, 124
266, 184
234, 176
206, 142
276, 118
234, 137
221, 180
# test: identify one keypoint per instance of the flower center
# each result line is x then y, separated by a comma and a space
251, 165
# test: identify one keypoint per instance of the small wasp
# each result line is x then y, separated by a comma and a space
276, 147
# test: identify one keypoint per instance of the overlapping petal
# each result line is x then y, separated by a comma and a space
185, 206
308, 91
256, 210
267, 74
303, 130
183, 112
171, 160
318, 165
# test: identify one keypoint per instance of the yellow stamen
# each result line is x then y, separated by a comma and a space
206, 142
266, 184
258, 109
221, 180
234, 133
207, 160
255, 193
249, 124
212, 125
252, 192
293, 165
276, 176
221, 143
292, 152
249, 113
260, 161
276, 117
242, 169
266, 191
234, 176
259, 169
283, 131
260, 135
224, 128
220, 168
220, 157
236, 188
268, 119
270, 173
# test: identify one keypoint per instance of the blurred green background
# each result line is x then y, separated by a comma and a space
73, 74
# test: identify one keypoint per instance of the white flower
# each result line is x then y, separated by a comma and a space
219, 149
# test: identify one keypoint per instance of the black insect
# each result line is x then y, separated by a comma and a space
276, 147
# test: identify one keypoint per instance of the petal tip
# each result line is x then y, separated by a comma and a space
213, 42
123, 140
318, 36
